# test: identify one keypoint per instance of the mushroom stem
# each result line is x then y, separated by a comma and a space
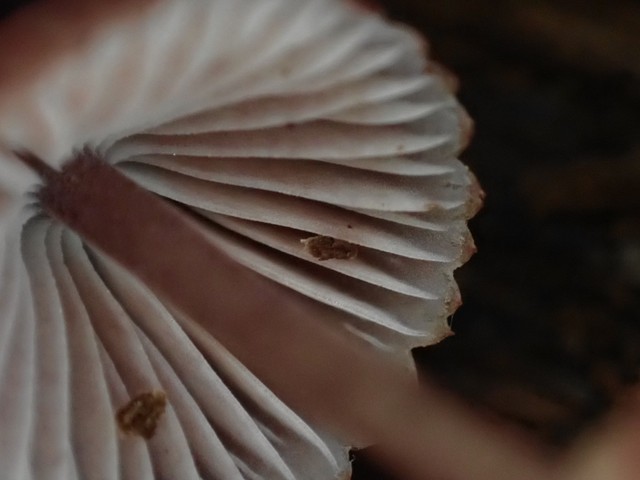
45, 172
315, 368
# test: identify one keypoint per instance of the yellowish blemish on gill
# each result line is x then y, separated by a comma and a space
141, 415
322, 247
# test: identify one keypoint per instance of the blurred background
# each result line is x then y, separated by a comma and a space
549, 334
548, 337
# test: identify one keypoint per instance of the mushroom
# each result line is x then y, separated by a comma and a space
316, 146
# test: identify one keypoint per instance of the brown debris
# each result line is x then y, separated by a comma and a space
326, 248
141, 415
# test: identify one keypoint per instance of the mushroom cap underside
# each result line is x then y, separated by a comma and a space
316, 145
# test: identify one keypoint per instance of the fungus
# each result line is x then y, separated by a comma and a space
141, 415
270, 123
327, 248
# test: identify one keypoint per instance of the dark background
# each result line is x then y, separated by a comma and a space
549, 333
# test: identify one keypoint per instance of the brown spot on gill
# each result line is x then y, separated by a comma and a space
141, 415
327, 248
